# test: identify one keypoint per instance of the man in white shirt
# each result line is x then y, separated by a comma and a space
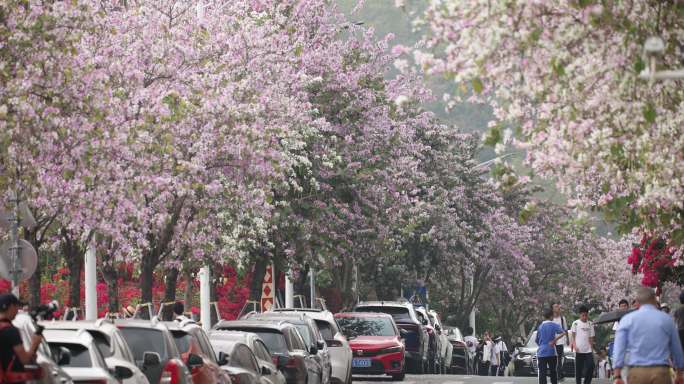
582, 333
471, 343
559, 319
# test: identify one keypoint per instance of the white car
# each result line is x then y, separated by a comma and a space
340, 351
81, 359
109, 342
52, 372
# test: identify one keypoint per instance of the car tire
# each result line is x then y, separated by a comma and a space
399, 377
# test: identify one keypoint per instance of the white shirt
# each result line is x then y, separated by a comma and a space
499, 347
471, 343
603, 368
564, 324
581, 332
487, 351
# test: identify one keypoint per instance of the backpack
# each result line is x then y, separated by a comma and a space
8, 376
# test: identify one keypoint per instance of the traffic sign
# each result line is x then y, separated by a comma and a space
267, 290
28, 260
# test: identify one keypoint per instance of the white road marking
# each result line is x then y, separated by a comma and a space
452, 382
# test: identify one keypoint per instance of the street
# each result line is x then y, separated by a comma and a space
460, 379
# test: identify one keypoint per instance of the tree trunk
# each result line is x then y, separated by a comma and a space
146, 279
257, 280
170, 282
73, 256
111, 276
187, 295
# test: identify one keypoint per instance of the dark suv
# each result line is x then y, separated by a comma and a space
286, 345
414, 331
155, 351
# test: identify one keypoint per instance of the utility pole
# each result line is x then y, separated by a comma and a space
312, 277
91, 283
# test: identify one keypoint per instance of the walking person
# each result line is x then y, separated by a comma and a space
582, 335
679, 318
559, 319
652, 341
487, 346
13, 355
471, 345
548, 333
179, 312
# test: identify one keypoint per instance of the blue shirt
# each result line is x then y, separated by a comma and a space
650, 337
547, 331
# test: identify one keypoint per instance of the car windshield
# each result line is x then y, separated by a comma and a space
398, 313
305, 332
454, 333
274, 340
182, 340
366, 326
80, 356
142, 340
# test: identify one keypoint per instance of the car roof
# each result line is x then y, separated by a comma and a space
139, 323
220, 334
384, 304
362, 314
276, 324
99, 325
292, 318
68, 336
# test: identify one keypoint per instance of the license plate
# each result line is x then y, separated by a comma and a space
361, 363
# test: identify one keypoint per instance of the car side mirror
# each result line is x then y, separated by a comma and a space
222, 358
403, 332
64, 356
151, 359
313, 350
122, 373
425, 322
194, 361
282, 361
320, 344
265, 371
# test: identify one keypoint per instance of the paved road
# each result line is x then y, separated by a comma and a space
457, 379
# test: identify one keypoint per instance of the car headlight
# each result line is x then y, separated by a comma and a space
524, 356
391, 350
570, 356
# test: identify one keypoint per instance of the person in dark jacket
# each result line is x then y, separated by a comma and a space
13, 356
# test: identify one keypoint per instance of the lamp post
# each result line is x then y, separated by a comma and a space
654, 47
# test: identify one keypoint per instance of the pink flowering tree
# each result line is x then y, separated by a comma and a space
562, 80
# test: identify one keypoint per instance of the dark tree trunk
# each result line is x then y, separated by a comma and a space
34, 281
257, 280
187, 295
170, 282
111, 276
146, 279
73, 256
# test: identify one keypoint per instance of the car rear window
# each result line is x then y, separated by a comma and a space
325, 329
397, 313
80, 356
366, 326
182, 340
274, 340
141, 340
102, 343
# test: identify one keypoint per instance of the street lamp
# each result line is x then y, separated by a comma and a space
654, 47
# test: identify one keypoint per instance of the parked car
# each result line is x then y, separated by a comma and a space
109, 340
525, 359
81, 359
240, 362
434, 342
196, 351
460, 358
50, 371
338, 345
416, 337
312, 337
155, 351
446, 348
285, 344
376, 343
271, 374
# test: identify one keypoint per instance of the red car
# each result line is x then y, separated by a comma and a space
376, 343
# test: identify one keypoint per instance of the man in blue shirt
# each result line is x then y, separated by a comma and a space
650, 338
548, 333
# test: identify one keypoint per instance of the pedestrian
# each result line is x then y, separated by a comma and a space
679, 318
487, 346
652, 341
559, 319
623, 305
500, 352
179, 312
13, 356
603, 365
471, 343
548, 333
582, 334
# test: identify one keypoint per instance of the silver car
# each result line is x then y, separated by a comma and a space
338, 345
109, 341
80, 357
268, 367
52, 372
